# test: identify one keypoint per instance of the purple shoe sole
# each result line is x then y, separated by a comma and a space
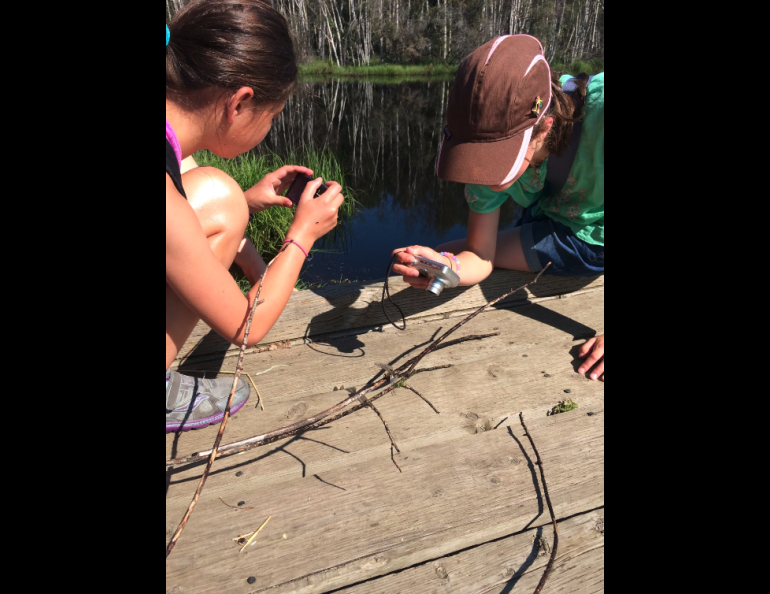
205, 422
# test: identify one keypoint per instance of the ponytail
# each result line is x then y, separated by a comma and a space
564, 113
218, 46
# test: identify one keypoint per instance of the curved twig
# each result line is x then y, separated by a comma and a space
539, 462
432, 347
218, 440
387, 429
428, 402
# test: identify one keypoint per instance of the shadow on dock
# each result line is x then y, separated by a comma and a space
353, 313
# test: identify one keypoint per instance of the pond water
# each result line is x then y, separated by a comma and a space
386, 136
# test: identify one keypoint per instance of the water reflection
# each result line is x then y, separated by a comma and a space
386, 136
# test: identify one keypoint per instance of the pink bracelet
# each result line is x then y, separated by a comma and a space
451, 256
299, 246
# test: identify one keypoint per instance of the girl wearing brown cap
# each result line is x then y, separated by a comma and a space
513, 132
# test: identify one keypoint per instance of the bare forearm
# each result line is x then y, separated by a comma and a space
277, 288
473, 269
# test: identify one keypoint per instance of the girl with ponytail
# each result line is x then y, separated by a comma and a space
514, 131
230, 66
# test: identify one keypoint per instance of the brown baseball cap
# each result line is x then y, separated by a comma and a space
500, 92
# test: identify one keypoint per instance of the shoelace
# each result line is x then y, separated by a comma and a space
386, 291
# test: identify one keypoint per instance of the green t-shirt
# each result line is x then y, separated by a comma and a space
580, 204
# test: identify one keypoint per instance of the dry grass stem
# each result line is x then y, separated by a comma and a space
253, 536
248, 375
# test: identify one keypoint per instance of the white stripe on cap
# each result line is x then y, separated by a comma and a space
497, 42
536, 59
519, 157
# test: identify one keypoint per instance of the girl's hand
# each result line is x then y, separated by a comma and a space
411, 275
267, 191
315, 217
594, 346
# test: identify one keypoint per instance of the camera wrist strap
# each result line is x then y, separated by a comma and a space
386, 291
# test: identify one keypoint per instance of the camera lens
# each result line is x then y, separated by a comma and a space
436, 286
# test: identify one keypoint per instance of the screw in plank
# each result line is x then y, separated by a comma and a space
252, 579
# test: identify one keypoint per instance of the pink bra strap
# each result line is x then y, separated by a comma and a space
172, 139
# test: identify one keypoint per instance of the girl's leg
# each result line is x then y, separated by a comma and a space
509, 253
222, 211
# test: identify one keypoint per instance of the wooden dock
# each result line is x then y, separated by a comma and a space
465, 512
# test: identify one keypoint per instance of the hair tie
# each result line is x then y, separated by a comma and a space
168, 34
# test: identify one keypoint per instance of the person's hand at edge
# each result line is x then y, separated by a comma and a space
593, 353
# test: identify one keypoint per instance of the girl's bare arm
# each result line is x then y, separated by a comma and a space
196, 275
476, 262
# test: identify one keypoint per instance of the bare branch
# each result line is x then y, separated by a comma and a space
550, 510
379, 388
218, 440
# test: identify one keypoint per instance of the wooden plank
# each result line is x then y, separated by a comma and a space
366, 519
527, 367
510, 565
338, 308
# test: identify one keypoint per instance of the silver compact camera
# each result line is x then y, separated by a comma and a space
440, 276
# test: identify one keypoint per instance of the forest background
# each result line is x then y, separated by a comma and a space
361, 33
369, 111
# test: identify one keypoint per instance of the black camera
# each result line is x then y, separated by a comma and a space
298, 186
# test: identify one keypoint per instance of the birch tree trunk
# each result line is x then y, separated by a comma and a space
345, 31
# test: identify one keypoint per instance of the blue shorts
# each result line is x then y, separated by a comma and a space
545, 240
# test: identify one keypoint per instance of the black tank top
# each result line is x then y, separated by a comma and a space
172, 168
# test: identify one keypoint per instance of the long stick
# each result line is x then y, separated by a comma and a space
238, 370
550, 510
464, 321
405, 371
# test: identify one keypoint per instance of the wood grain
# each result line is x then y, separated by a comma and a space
348, 516
366, 519
490, 378
511, 565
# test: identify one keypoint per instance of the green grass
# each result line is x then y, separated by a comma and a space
267, 230
406, 72
303, 286
593, 66
327, 69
